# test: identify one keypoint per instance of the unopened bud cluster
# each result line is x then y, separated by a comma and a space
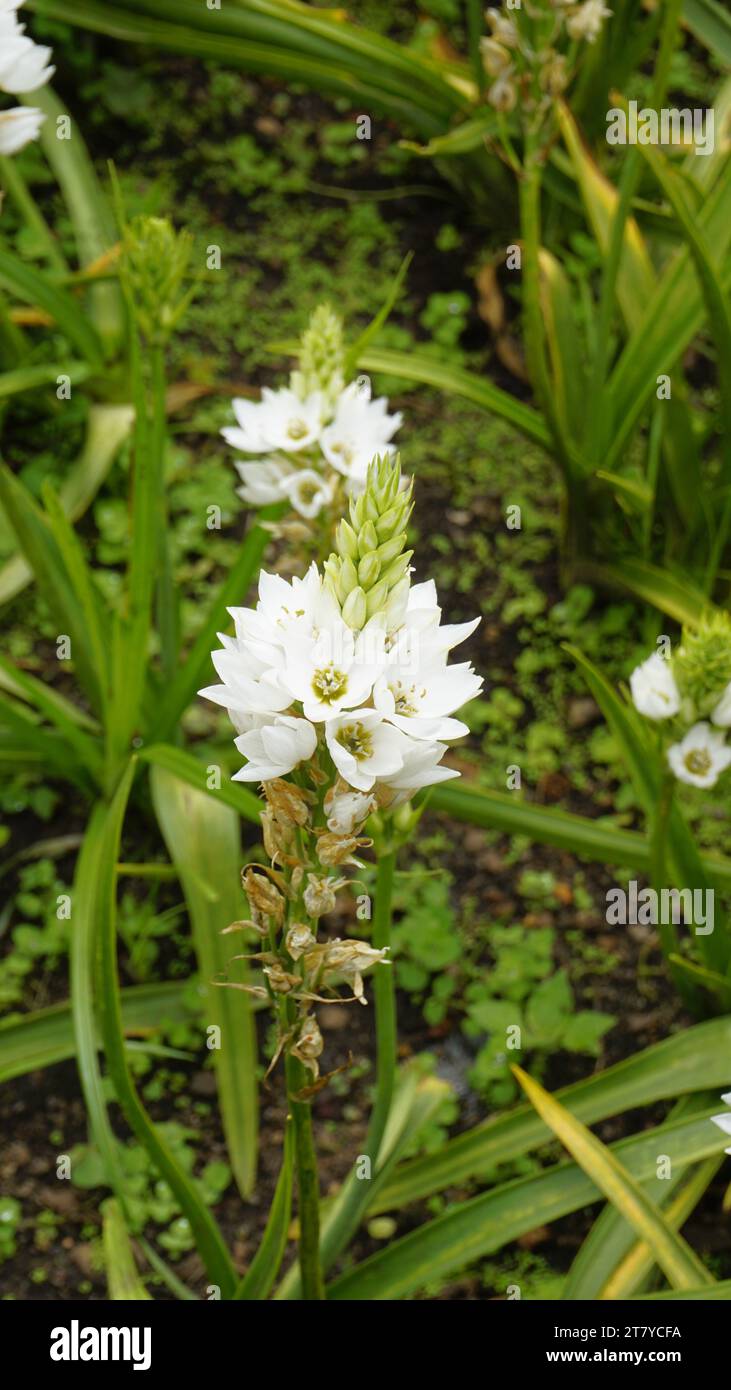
154, 266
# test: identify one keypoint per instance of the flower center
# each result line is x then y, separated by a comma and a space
698, 761
296, 429
356, 740
406, 698
344, 450
329, 683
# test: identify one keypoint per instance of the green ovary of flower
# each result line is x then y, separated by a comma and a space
329, 684
356, 740
698, 762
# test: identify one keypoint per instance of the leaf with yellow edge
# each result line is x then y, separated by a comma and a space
678, 1262
636, 279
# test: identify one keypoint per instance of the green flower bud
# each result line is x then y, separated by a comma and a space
369, 570
347, 541
347, 579
390, 549
376, 599
153, 267
397, 569
355, 609
367, 538
389, 523
375, 537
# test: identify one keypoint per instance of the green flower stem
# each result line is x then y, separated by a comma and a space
658, 877
384, 995
14, 183
308, 1184
658, 857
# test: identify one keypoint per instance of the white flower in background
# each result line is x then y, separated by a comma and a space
263, 483
364, 747
319, 430
653, 688
18, 127
24, 66
361, 429
701, 757
280, 420
721, 715
308, 492
275, 749
587, 21
724, 1121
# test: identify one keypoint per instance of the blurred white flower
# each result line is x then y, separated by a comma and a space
721, 715
587, 21
724, 1121
361, 429
701, 757
265, 482
280, 420
308, 492
24, 66
18, 127
653, 688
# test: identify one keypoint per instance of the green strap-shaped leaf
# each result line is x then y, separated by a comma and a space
678, 1262
36, 289
90, 212
204, 843
693, 1060
469, 1231
42, 552
96, 904
45, 1037
264, 1268
679, 598
107, 428
187, 768
608, 1256
548, 825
